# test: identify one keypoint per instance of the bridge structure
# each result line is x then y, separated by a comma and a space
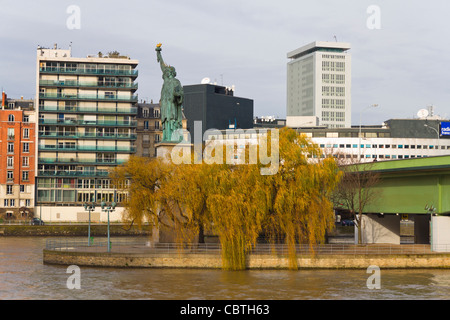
412, 202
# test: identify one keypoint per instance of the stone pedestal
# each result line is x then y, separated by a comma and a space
178, 153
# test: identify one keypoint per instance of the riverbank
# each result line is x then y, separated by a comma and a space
209, 257
75, 230
209, 261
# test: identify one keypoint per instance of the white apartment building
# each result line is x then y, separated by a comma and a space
319, 83
87, 125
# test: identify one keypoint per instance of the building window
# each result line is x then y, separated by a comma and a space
11, 118
10, 133
22, 188
25, 162
109, 95
26, 119
146, 125
26, 133
6, 203
10, 175
27, 203
25, 176
9, 189
10, 162
26, 147
12, 202
10, 147
145, 113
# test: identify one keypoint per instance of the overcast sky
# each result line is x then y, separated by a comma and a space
403, 66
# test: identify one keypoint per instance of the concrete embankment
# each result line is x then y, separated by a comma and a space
257, 261
72, 230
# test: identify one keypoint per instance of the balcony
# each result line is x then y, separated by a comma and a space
55, 70
92, 84
93, 97
84, 110
81, 161
73, 173
69, 135
87, 148
99, 123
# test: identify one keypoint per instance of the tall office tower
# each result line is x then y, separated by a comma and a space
319, 83
87, 125
17, 140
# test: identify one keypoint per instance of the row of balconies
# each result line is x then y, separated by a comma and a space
74, 148
93, 97
78, 161
74, 122
92, 84
77, 109
73, 173
108, 72
70, 135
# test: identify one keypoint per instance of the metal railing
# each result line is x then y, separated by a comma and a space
74, 83
77, 109
145, 246
133, 98
89, 71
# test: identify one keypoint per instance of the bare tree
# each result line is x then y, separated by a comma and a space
356, 189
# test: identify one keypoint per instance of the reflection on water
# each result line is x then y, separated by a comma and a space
23, 276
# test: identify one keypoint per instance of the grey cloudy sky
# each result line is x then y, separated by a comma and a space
402, 67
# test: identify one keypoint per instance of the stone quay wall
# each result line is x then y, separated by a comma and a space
213, 261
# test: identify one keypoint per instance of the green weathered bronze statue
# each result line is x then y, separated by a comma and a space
171, 101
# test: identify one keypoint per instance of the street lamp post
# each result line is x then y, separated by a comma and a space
437, 132
89, 208
108, 209
360, 116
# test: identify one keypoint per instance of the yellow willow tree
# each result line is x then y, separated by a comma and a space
187, 193
142, 180
236, 205
299, 206
171, 197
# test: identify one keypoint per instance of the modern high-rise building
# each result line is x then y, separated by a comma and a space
87, 125
216, 107
17, 158
319, 83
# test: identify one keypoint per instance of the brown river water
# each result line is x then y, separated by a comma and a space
24, 276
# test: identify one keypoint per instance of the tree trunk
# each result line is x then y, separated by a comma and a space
201, 234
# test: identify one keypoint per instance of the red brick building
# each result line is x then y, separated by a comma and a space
17, 158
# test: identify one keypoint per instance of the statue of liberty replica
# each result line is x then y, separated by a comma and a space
171, 101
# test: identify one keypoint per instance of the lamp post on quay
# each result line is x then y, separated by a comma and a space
108, 209
437, 132
90, 208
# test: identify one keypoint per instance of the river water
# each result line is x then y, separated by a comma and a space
24, 276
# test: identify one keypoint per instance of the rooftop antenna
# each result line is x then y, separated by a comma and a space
335, 38
431, 109
70, 48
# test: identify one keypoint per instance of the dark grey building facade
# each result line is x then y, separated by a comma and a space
217, 108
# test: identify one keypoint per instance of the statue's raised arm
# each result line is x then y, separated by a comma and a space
159, 57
